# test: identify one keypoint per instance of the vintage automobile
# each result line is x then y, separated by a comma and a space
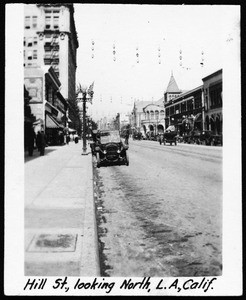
137, 136
111, 149
169, 136
205, 137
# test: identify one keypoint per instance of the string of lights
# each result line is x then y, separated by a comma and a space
159, 56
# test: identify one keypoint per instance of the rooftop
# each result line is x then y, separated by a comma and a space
172, 86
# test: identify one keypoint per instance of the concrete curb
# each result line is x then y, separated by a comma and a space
90, 252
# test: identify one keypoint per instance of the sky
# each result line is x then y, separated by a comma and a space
157, 33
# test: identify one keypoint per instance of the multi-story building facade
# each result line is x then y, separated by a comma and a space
199, 108
213, 96
50, 45
184, 110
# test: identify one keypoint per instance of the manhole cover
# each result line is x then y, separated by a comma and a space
53, 243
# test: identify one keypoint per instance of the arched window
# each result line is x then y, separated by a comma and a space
157, 115
152, 114
162, 114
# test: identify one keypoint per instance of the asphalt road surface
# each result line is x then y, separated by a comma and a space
161, 215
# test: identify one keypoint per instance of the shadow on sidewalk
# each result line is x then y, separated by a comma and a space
36, 154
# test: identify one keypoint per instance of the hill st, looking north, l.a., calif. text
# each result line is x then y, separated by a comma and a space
65, 284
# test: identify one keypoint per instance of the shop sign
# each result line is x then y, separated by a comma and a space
34, 86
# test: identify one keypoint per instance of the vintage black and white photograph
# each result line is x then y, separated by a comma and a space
125, 179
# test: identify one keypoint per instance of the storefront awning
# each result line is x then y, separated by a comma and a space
52, 123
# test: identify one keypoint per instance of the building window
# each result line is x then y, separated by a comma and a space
29, 42
215, 97
24, 42
171, 110
29, 55
183, 106
27, 22
35, 54
177, 109
34, 21
190, 105
198, 101
35, 41
167, 111
152, 114
47, 22
156, 114
56, 22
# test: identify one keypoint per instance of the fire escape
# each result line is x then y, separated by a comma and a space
51, 57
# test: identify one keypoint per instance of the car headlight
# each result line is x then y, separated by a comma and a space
118, 151
104, 151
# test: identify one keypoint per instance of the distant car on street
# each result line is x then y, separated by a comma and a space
110, 149
169, 136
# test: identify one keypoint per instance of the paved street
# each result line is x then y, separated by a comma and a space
161, 215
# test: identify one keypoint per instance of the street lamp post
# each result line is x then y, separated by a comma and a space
83, 92
84, 125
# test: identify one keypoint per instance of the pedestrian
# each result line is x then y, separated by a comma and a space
61, 137
31, 140
41, 142
67, 139
38, 140
127, 136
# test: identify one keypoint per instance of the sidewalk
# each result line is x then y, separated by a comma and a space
60, 224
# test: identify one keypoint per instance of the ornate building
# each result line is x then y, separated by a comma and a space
199, 108
148, 116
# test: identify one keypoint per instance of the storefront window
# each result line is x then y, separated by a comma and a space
34, 21
27, 22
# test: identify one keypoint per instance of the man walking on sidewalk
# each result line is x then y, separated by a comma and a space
41, 142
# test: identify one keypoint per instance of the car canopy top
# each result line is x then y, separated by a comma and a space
110, 137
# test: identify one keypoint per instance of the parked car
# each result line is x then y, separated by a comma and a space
111, 149
206, 137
